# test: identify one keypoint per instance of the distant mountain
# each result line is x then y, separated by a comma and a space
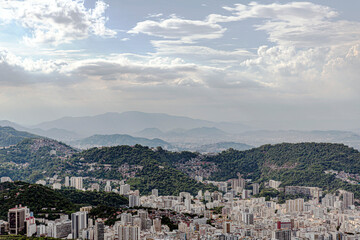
261, 137
9, 136
56, 133
150, 133
116, 140
131, 122
6, 123
201, 135
222, 146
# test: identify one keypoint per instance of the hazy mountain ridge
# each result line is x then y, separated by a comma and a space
222, 146
261, 137
131, 122
181, 132
118, 139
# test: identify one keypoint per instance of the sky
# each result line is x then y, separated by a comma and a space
268, 64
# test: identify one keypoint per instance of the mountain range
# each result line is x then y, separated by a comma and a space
182, 133
131, 122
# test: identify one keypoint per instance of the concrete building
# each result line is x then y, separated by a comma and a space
16, 219
79, 221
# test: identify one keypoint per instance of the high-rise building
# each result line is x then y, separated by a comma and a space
242, 182
348, 199
134, 201
108, 186
188, 204
16, 219
143, 217
248, 218
296, 205
283, 234
328, 200
124, 189
79, 221
245, 194
67, 181
99, 230
62, 229
76, 182
256, 188
128, 232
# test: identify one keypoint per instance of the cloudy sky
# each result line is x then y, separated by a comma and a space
270, 64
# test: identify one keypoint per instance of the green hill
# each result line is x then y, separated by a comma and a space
9, 136
34, 159
157, 168
36, 197
293, 164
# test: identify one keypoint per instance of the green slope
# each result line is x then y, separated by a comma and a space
32, 159
9, 136
157, 169
293, 164
37, 197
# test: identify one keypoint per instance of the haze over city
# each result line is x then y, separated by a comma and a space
271, 65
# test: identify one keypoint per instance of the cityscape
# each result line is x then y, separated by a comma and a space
179, 120
234, 211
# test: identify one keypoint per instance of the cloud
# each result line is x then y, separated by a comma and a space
56, 22
301, 24
199, 53
180, 29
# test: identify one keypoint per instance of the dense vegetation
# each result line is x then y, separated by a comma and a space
37, 197
9, 136
94, 198
293, 164
167, 180
31, 159
157, 171
133, 155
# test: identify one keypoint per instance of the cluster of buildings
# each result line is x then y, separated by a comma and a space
234, 212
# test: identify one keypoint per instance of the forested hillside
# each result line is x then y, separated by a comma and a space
156, 167
33, 159
293, 164
9, 136
36, 197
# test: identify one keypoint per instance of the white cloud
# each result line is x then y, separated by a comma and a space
200, 53
181, 29
301, 24
56, 21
